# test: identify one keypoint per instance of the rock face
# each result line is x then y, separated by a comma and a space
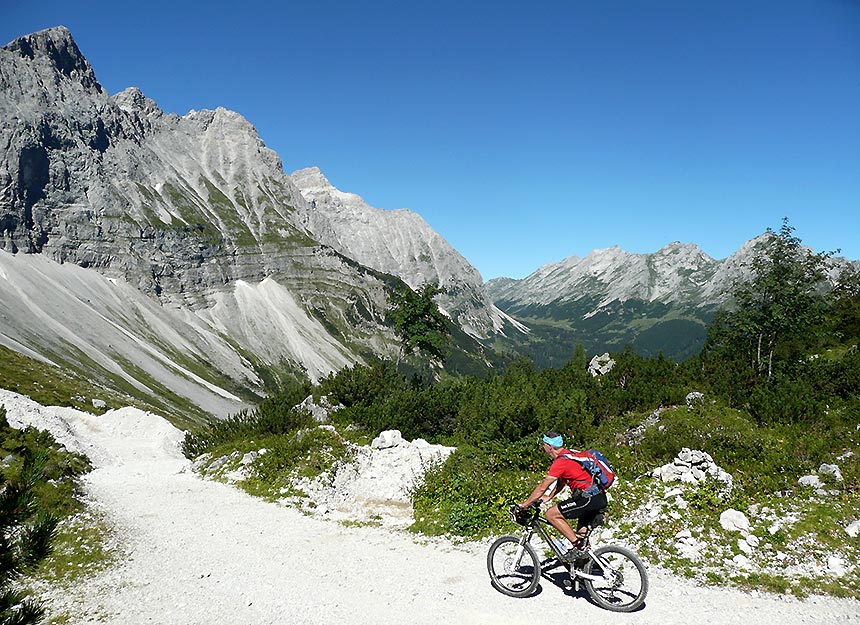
410, 250
176, 206
197, 215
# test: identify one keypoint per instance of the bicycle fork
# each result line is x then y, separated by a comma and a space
521, 548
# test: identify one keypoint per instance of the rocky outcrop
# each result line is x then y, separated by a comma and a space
600, 365
692, 466
377, 483
410, 249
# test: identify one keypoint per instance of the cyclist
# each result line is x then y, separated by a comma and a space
566, 472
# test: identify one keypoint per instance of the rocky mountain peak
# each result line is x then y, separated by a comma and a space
132, 100
56, 47
311, 178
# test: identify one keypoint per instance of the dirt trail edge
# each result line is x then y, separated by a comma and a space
204, 552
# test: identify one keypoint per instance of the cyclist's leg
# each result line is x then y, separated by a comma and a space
556, 518
584, 510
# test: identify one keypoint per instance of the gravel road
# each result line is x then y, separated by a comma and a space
204, 552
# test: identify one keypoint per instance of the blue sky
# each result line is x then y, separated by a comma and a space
524, 132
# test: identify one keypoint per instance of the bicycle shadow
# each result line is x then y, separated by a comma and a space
559, 576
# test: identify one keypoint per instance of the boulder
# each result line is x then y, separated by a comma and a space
695, 400
387, 439
734, 521
810, 480
853, 529
600, 365
692, 466
836, 566
320, 410
831, 469
742, 562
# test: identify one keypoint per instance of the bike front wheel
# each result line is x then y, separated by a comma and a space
514, 568
622, 581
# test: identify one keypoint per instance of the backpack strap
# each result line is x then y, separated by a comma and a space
585, 459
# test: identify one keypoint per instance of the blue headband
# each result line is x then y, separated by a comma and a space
556, 442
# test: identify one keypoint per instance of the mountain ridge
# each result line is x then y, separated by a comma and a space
196, 213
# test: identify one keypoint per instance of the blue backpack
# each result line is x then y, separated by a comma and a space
597, 466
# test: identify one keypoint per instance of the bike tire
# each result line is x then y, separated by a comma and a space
515, 579
624, 580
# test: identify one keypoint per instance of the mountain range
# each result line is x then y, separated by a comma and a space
174, 256
171, 257
659, 303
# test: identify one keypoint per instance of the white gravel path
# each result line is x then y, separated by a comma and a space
203, 552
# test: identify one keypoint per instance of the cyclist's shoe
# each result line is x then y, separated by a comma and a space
573, 554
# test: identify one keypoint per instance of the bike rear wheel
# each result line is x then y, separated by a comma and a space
623, 581
514, 569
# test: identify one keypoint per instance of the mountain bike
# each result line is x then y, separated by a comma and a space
613, 576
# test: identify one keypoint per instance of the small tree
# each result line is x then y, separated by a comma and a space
779, 308
419, 323
26, 534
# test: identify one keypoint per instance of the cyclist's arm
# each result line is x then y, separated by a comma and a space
539, 490
559, 485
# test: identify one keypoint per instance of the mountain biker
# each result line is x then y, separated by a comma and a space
566, 472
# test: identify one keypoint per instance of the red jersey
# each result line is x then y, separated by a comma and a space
570, 471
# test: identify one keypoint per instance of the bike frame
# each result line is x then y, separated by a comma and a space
541, 526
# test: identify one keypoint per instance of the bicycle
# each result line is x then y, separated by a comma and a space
613, 576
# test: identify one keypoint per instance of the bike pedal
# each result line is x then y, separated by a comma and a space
567, 583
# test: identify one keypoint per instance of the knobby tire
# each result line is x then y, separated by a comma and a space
511, 578
624, 583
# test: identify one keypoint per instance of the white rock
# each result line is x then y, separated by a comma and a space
741, 561
753, 541
688, 478
853, 529
836, 566
824, 469
684, 534
601, 365
695, 399
734, 521
810, 480
99, 404
744, 546
387, 439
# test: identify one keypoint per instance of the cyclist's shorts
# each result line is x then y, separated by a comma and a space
578, 507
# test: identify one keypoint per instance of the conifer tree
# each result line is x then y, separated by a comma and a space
419, 323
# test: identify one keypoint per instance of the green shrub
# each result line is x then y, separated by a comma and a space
276, 415
37, 489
